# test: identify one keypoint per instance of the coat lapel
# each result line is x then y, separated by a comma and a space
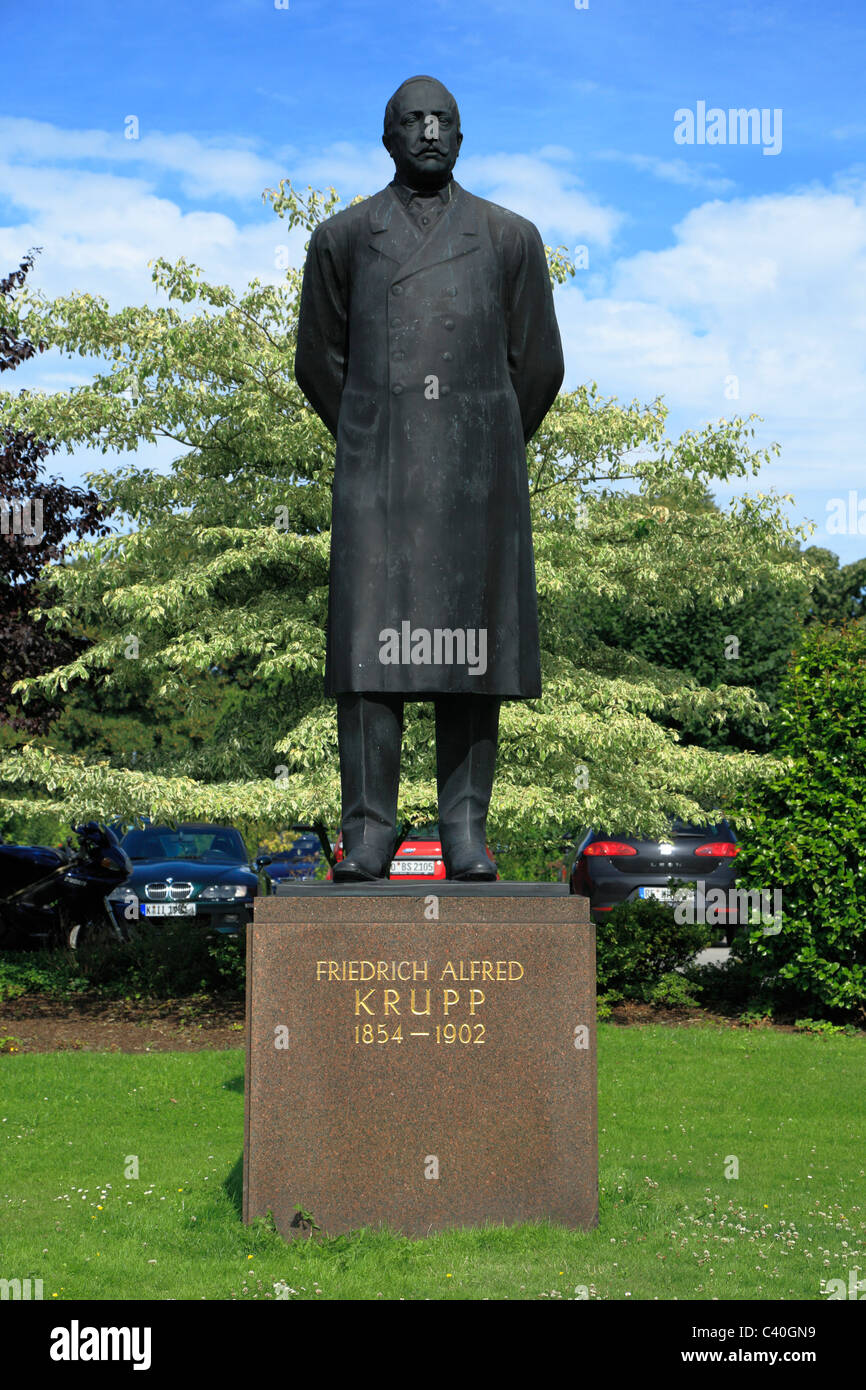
393, 234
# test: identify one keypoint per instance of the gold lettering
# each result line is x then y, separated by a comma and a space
449, 970
447, 1002
476, 996
382, 970
368, 970
400, 975
359, 1002
500, 970
392, 997
333, 970
412, 1003
320, 965
519, 967
353, 970
487, 972
419, 970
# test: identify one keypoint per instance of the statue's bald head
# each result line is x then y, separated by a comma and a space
440, 95
422, 132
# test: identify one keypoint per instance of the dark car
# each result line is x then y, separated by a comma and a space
199, 873
297, 864
692, 862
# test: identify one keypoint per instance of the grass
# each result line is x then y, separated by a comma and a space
677, 1106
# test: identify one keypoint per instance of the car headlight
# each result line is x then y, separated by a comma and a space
223, 892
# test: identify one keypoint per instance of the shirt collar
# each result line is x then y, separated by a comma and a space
406, 194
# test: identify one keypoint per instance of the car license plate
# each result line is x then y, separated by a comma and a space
413, 866
168, 909
667, 895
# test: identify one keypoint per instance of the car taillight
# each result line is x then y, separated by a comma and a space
718, 849
609, 847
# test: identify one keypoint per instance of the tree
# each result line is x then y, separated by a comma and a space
225, 568
838, 592
747, 643
37, 518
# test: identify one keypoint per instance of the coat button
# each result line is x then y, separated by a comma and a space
396, 323
397, 389
447, 356
396, 289
449, 323
397, 356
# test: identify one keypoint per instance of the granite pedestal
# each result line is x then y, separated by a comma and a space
421, 1057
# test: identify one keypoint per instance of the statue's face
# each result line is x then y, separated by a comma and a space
424, 140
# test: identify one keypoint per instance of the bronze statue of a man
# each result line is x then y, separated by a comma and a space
428, 345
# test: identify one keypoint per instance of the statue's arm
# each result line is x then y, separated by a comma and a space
534, 348
323, 327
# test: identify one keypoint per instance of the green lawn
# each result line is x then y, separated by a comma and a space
674, 1105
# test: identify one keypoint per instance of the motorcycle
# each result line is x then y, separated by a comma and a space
59, 897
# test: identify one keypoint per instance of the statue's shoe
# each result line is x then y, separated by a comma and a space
362, 865
469, 863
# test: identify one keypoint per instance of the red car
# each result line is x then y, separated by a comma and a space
418, 858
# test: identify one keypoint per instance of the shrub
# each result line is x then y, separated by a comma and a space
166, 961
731, 986
40, 972
639, 944
672, 991
807, 834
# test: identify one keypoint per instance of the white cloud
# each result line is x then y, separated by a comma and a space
671, 170
98, 231
351, 169
773, 288
539, 189
770, 290
205, 168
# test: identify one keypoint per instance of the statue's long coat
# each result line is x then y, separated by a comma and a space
432, 359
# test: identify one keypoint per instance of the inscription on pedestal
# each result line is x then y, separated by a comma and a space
453, 1014
421, 1074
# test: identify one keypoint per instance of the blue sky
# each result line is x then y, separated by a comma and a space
712, 268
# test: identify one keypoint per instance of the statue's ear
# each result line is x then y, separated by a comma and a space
386, 141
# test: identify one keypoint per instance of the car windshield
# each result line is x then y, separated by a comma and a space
717, 831
206, 844
423, 832
682, 827
302, 849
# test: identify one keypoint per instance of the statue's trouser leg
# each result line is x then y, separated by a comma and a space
467, 732
370, 732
